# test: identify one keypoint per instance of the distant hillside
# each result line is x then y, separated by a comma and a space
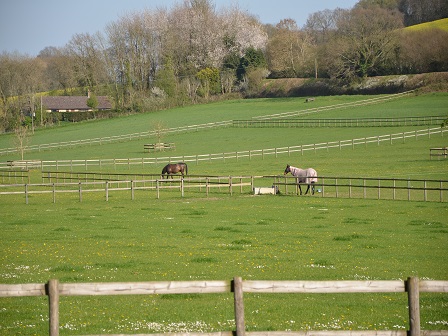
438, 24
300, 87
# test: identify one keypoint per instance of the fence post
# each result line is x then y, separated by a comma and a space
379, 189
336, 184
409, 190
394, 190
412, 287
441, 191
239, 306
132, 190
323, 187
26, 193
349, 188
53, 298
425, 192
182, 187
107, 191
230, 185
365, 189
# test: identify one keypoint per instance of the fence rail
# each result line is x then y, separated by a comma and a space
14, 175
82, 183
248, 154
205, 184
441, 152
412, 286
357, 122
368, 187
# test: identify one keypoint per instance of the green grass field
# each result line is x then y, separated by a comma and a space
222, 236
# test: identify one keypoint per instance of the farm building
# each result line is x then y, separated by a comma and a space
73, 103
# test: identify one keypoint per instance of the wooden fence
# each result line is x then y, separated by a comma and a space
412, 286
159, 147
202, 184
14, 176
355, 122
83, 183
248, 154
372, 188
441, 152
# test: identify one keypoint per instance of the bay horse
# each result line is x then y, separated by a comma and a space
307, 176
174, 168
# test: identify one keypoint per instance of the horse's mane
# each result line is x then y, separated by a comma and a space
294, 170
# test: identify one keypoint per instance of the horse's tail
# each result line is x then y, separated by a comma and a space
164, 171
186, 169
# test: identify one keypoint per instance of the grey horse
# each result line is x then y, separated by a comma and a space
307, 176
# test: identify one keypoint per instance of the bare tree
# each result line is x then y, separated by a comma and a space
19, 76
21, 139
423, 51
366, 39
60, 71
322, 25
290, 51
87, 60
159, 129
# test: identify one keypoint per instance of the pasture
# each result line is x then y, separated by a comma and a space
222, 236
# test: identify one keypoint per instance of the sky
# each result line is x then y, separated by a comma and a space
28, 26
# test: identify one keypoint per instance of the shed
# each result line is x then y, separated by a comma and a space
73, 103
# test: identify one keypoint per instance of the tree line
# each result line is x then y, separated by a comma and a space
162, 58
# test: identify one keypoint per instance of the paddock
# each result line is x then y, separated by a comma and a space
128, 231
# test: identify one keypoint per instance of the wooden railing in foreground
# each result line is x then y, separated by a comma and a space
413, 286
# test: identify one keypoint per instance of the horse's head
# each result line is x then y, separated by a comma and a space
287, 170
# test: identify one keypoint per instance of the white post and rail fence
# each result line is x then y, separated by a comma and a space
401, 137
412, 286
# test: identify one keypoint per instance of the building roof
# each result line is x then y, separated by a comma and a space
73, 103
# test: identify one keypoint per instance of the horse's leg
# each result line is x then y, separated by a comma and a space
307, 189
312, 188
300, 188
